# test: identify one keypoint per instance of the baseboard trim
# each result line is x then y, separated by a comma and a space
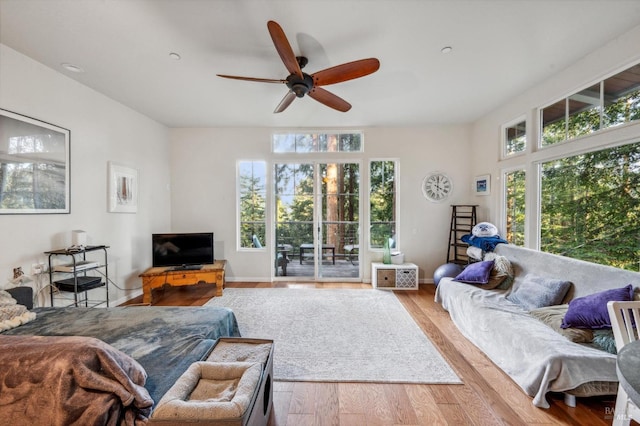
131, 295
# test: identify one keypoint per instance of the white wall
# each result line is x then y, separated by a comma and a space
187, 176
203, 187
102, 130
611, 58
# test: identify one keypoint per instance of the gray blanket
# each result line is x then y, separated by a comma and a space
537, 358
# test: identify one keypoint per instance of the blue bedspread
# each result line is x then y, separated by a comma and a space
164, 340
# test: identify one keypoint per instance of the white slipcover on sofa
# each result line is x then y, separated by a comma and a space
536, 357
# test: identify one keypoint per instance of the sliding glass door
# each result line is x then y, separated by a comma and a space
294, 218
339, 219
317, 221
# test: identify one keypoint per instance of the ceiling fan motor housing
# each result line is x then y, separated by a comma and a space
300, 86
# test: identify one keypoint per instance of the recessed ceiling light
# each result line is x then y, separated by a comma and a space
446, 49
174, 55
70, 67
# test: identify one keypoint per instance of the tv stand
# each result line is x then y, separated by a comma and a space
158, 277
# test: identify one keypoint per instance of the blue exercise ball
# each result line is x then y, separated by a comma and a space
446, 270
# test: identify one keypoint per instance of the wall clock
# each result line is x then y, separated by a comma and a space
437, 187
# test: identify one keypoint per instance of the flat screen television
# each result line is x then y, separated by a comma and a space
182, 250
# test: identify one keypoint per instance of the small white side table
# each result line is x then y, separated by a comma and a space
394, 277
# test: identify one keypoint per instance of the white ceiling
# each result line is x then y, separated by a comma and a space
500, 48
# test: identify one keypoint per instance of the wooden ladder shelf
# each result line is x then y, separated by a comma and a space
463, 219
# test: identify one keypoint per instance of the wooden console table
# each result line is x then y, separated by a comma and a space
160, 276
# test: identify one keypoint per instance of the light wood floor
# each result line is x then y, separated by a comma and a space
487, 397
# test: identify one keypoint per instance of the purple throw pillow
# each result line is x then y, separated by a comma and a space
476, 273
591, 311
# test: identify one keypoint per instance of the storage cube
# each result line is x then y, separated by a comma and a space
386, 278
394, 276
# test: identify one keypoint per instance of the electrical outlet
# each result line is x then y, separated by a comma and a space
37, 268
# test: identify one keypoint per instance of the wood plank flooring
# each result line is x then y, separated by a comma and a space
487, 397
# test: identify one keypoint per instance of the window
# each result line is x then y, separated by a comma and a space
572, 117
611, 102
252, 203
294, 203
587, 193
622, 97
583, 110
317, 142
515, 138
554, 123
514, 189
590, 206
382, 198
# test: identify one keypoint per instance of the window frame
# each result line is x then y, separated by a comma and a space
396, 177
239, 194
577, 151
504, 215
344, 156
601, 83
619, 134
297, 133
503, 151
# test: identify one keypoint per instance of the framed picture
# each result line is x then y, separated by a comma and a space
482, 185
123, 189
34, 166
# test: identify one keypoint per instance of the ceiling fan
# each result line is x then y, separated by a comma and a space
300, 83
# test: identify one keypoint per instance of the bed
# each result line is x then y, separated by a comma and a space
162, 342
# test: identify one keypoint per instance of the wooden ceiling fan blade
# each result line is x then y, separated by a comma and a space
285, 102
284, 48
329, 99
344, 72
259, 80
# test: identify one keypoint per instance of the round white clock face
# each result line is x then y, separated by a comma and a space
437, 186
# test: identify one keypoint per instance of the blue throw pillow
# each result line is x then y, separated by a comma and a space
603, 339
533, 292
591, 311
476, 273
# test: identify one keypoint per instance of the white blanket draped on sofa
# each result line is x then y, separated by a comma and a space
536, 357
512, 339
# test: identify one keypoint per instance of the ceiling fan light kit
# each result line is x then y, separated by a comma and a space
301, 84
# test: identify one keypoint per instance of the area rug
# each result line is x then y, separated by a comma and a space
338, 335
